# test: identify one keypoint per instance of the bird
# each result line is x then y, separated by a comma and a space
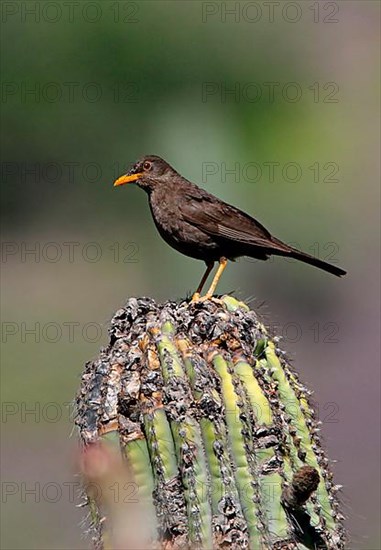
200, 225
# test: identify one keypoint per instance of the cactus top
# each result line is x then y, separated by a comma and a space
215, 429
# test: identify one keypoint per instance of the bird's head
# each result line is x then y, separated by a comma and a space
147, 173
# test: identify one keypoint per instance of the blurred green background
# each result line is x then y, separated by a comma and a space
88, 90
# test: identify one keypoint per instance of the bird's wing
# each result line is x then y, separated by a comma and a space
222, 220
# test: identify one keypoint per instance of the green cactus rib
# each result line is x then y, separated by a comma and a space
161, 445
208, 437
169, 358
268, 497
290, 466
195, 480
138, 458
213, 433
313, 506
258, 401
271, 486
216, 481
293, 409
242, 471
233, 304
188, 442
171, 506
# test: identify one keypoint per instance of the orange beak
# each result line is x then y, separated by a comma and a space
127, 179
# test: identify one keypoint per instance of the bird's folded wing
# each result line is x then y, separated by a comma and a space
220, 219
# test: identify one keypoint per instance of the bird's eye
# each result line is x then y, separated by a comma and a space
147, 165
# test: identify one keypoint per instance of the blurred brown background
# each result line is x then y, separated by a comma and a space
275, 108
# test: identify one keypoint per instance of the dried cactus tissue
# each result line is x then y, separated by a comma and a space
197, 433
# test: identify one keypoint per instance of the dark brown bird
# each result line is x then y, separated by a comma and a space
201, 226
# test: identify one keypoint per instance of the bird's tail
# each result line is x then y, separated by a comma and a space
289, 251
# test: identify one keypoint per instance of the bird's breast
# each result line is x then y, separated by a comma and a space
179, 234
167, 218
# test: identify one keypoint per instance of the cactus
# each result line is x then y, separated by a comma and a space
218, 438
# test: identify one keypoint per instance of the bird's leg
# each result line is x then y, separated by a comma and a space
196, 295
212, 288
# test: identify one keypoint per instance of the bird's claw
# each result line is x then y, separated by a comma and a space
197, 299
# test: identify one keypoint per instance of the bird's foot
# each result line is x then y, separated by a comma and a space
197, 299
